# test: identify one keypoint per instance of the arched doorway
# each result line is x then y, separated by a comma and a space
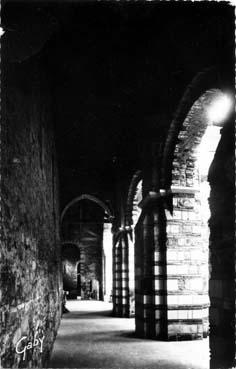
71, 261
202, 145
86, 222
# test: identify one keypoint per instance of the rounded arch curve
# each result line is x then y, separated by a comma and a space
87, 197
137, 177
71, 243
209, 79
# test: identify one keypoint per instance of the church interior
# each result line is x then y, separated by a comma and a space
117, 175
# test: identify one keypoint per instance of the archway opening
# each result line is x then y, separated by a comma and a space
86, 224
188, 266
71, 259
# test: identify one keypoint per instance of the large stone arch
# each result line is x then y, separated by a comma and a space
87, 197
180, 177
211, 78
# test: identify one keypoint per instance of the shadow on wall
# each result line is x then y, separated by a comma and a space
31, 285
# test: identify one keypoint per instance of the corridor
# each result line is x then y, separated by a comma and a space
90, 338
117, 184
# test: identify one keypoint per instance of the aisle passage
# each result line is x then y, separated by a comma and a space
89, 337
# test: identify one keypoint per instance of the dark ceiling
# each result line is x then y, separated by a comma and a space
118, 71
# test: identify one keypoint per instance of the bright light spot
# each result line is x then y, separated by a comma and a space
137, 199
107, 249
220, 108
1, 31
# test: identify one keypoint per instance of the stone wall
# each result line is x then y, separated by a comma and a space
30, 258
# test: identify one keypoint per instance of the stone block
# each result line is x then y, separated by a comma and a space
172, 315
172, 285
172, 255
195, 284
147, 299
187, 229
158, 284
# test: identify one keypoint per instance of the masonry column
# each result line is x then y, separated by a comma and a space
121, 274
150, 269
107, 269
222, 253
130, 236
187, 265
117, 275
125, 274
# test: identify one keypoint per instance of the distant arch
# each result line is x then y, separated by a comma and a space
87, 197
72, 243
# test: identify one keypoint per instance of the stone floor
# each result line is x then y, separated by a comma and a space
89, 338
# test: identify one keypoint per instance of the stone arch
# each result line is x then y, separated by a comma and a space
132, 192
209, 79
184, 167
126, 245
87, 197
68, 242
180, 173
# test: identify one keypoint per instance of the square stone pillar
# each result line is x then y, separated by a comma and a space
150, 270
107, 268
131, 275
121, 275
117, 277
187, 267
125, 275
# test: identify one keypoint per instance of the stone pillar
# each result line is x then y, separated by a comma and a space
125, 275
107, 250
187, 263
121, 275
117, 276
131, 274
139, 272
222, 254
150, 300
82, 271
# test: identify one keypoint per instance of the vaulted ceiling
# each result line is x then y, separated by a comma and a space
117, 73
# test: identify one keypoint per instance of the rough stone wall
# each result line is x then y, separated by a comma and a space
30, 248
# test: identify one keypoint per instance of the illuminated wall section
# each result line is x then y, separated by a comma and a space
187, 227
107, 261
